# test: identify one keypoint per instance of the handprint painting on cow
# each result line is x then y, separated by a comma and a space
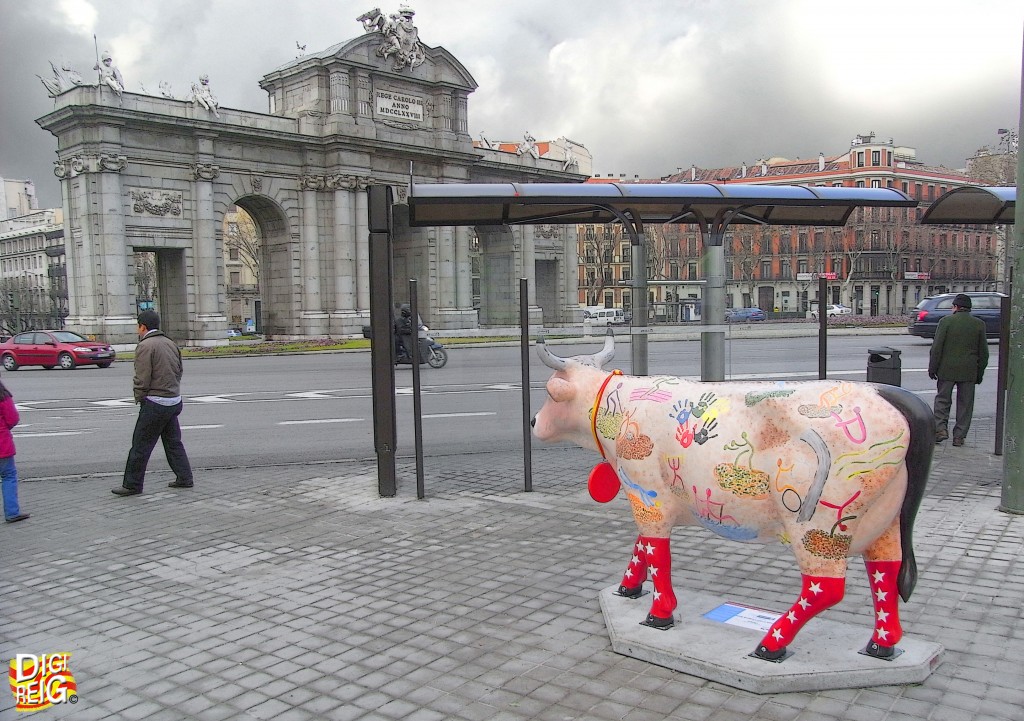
832, 469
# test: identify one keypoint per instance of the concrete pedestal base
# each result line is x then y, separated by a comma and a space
824, 654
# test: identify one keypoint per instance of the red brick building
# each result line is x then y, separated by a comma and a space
884, 261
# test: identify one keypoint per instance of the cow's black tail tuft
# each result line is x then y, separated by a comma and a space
919, 461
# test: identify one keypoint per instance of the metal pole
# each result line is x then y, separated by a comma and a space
1004, 359
1012, 500
822, 330
638, 331
712, 343
382, 347
524, 360
417, 406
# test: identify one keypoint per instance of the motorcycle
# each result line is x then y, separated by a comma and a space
430, 351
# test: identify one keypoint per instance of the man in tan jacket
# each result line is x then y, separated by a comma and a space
157, 390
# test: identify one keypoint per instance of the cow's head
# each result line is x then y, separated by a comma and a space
571, 394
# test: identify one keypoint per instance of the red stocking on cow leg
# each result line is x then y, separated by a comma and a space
636, 572
659, 558
817, 594
885, 597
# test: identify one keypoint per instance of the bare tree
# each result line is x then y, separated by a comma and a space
243, 237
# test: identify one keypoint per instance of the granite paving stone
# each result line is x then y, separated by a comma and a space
295, 592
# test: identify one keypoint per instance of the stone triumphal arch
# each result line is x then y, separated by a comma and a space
158, 174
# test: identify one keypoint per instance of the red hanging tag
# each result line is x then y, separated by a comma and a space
603, 483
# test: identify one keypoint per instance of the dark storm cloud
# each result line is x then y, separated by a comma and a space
647, 86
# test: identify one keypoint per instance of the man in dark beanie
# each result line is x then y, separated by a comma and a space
157, 389
958, 358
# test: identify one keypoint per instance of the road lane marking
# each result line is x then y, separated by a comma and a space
46, 434
199, 428
320, 420
458, 415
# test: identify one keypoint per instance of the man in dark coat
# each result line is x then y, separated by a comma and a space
958, 358
157, 390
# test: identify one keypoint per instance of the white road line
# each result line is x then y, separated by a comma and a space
199, 428
457, 415
321, 420
48, 434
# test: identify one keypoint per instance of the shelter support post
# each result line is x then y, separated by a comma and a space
822, 329
638, 339
712, 342
1012, 493
382, 348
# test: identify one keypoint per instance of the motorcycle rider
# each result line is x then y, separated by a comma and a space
404, 343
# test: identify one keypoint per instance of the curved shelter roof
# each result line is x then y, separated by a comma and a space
973, 204
446, 204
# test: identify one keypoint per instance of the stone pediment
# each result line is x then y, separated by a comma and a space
440, 67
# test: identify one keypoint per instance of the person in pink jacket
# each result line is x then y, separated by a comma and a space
8, 471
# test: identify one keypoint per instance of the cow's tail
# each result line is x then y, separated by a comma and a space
919, 461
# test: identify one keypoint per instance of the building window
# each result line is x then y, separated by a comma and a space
766, 269
860, 158
876, 183
876, 157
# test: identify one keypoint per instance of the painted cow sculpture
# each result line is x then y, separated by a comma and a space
832, 468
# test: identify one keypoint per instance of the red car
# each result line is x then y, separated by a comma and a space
49, 348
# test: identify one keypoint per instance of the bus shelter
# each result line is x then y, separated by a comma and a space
712, 207
977, 205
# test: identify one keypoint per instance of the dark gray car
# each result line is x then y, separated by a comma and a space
926, 316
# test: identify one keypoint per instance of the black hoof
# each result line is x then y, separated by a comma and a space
763, 652
878, 651
657, 622
626, 592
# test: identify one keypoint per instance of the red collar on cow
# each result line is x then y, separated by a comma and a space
597, 404
603, 482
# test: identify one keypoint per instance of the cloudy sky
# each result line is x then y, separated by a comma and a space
647, 86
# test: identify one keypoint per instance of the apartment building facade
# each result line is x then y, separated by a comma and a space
882, 262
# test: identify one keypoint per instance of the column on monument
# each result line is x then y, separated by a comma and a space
463, 269
77, 243
362, 234
205, 243
446, 268
310, 257
570, 274
116, 298
344, 252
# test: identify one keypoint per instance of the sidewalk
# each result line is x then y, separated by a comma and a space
295, 592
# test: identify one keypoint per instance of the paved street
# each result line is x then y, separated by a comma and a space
295, 592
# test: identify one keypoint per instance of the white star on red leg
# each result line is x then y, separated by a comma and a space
654, 571
657, 595
629, 573
791, 616
878, 576
777, 634
881, 633
883, 616
636, 559
804, 603
649, 548
815, 588
881, 595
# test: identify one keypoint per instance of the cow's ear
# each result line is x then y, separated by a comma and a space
561, 390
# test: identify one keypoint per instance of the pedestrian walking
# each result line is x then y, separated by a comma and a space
157, 390
9, 418
958, 359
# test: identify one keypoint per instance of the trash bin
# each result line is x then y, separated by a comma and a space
884, 366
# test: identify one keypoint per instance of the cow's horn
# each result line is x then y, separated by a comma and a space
606, 353
548, 358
